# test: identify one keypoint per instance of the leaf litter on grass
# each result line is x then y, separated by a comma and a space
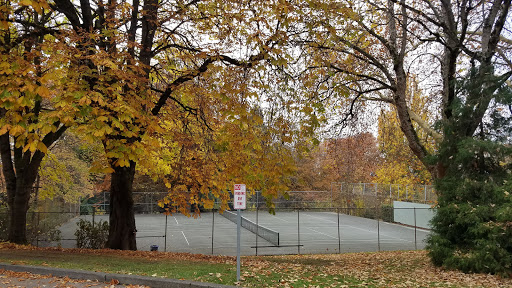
382, 269
26, 279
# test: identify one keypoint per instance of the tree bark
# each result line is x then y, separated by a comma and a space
18, 214
122, 231
19, 182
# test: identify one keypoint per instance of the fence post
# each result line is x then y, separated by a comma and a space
339, 237
257, 228
425, 193
213, 226
257, 206
165, 235
415, 234
378, 234
37, 230
298, 231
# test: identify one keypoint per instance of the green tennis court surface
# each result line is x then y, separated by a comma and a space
307, 232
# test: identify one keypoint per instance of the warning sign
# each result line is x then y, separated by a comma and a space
239, 196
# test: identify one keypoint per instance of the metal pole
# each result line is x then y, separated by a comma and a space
406, 193
378, 234
239, 223
415, 236
425, 193
37, 229
339, 237
165, 234
257, 212
298, 231
257, 232
213, 227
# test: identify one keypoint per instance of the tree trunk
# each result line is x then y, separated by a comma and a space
122, 219
19, 182
18, 208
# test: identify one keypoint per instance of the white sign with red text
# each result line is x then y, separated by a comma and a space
239, 196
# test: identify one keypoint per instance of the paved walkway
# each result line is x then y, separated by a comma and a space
10, 279
18, 276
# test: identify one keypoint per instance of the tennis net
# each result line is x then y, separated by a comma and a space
264, 232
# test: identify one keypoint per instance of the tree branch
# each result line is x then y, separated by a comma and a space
416, 118
200, 70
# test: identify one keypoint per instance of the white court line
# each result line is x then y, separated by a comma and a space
355, 227
185, 238
393, 224
366, 230
312, 229
176, 220
322, 233
323, 219
280, 219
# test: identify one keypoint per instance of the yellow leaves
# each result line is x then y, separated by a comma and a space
107, 170
41, 147
103, 131
4, 25
102, 119
16, 130
4, 129
100, 167
84, 101
122, 162
43, 92
47, 129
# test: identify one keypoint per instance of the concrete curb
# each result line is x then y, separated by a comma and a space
152, 282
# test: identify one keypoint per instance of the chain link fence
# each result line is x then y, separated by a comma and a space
43, 219
299, 231
349, 218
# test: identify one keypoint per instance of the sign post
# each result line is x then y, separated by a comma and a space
239, 203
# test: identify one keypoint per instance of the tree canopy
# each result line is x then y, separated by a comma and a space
204, 94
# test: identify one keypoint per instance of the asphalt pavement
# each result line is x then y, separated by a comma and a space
18, 276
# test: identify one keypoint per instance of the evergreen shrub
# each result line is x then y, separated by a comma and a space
91, 235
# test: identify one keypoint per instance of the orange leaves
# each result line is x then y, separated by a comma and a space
383, 269
16, 130
37, 5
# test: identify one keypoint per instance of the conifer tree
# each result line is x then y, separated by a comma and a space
473, 224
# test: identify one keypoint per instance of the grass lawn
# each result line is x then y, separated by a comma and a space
384, 269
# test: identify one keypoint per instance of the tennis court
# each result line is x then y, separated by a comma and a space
301, 232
